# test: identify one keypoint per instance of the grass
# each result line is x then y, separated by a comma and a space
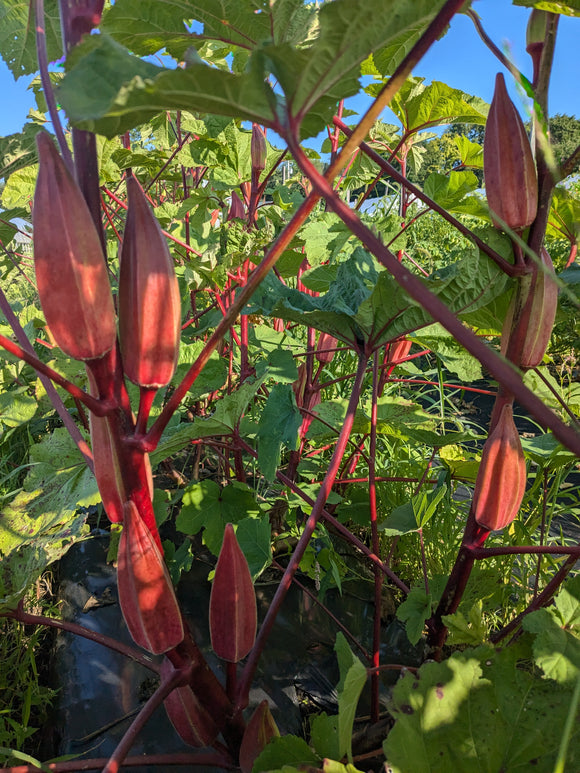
25, 698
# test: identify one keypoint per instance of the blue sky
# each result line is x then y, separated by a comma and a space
460, 59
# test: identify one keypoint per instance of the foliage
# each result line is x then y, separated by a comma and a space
25, 701
333, 356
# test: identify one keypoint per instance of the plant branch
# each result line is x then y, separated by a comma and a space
98, 407
542, 600
337, 525
500, 368
79, 630
402, 72
315, 515
47, 85
556, 550
53, 395
165, 688
434, 30
173, 238
568, 165
508, 268
510, 66
327, 611
150, 441
206, 759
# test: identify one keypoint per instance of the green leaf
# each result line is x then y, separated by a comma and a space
556, 650
470, 153
564, 217
18, 151
281, 366
478, 710
18, 39
455, 358
414, 611
325, 236
279, 424
19, 188
7, 229
353, 676
331, 766
42, 521
568, 602
324, 735
58, 468
254, 537
546, 451
225, 419
415, 514
178, 561
450, 190
570, 8
208, 506
471, 630
314, 78
419, 107
212, 377
147, 26
17, 407
109, 91
18, 755
283, 751
368, 304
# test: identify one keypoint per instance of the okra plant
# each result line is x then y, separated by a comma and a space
184, 251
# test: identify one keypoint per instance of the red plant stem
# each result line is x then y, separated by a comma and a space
315, 515
245, 369
396, 175
392, 667
78, 630
556, 550
573, 252
53, 395
542, 528
146, 397
383, 479
494, 49
180, 143
208, 689
546, 182
473, 537
85, 148
98, 407
433, 32
10, 255
390, 365
378, 579
357, 445
346, 534
542, 600
436, 383
231, 680
165, 688
47, 85
204, 758
504, 372
110, 219
327, 611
